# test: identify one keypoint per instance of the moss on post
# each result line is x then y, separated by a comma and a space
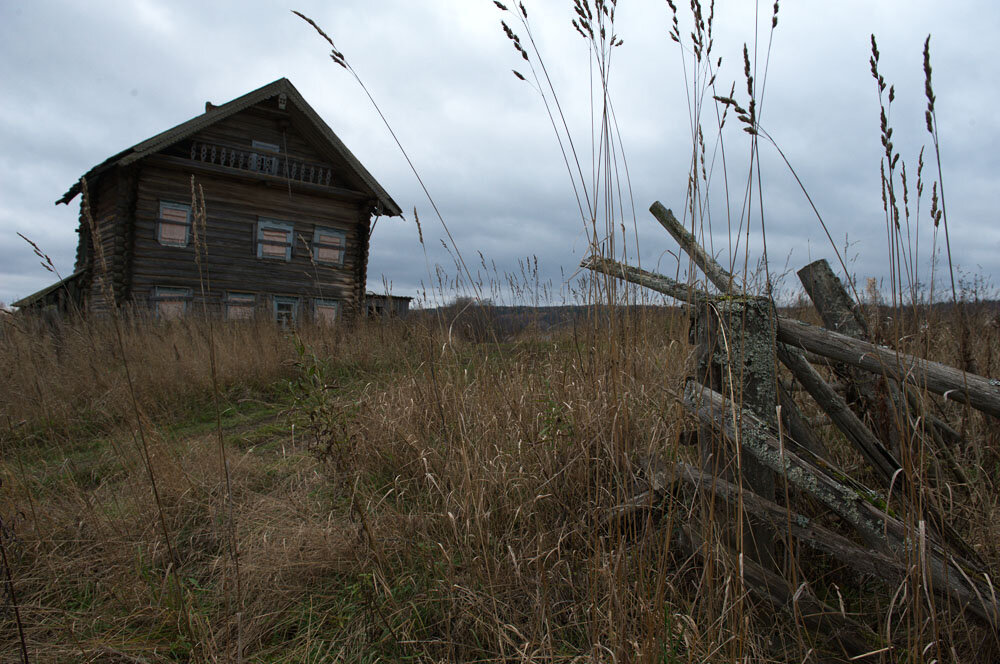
736, 357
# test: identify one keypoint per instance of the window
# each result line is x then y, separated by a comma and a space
328, 246
286, 310
170, 303
240, 306
274, 239
173, 226
326, 312
269, 147
264, 163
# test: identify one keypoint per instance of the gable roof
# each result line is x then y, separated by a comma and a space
215, 114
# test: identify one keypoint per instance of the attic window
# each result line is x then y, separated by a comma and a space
170, 303
267, 147
274, 239
264, 163
328, 246
173, 226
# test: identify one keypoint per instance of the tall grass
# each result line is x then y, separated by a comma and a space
408, 493
65, 378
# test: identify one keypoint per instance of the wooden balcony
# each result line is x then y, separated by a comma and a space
262, 162
268, 168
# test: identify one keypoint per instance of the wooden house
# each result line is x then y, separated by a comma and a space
289, 216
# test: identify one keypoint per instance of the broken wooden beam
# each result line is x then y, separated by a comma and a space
948, 573
715, 272
839, 312
977, 391
651, 280
860, 436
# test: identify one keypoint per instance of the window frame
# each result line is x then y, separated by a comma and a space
266, 147
233, 300
317, 245
266, 163
160, 221
327, 302
265, 223
170, 294
285, 299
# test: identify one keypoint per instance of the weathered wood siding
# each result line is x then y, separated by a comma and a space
234, 206
103, 207
261, 124
327, 192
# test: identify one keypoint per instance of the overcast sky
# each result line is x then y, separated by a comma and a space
81, 81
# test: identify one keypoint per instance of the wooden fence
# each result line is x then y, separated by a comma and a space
754, 437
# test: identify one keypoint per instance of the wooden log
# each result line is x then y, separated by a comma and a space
838, 311
836, 408
861, 560
977, 391
715, 272
950, 574
712, 409
735, 341
651, 280
852, 637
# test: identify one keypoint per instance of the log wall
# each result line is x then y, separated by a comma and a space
234, 207
125, 203
103, 201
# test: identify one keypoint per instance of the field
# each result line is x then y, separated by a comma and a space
399, 491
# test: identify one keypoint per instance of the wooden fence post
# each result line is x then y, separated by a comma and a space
734, 336
873, 398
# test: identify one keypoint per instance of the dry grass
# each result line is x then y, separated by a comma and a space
398, 494
442, 500
71, 375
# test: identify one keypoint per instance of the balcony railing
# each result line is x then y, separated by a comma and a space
258, 161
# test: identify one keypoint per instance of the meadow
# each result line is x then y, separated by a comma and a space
403, 490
